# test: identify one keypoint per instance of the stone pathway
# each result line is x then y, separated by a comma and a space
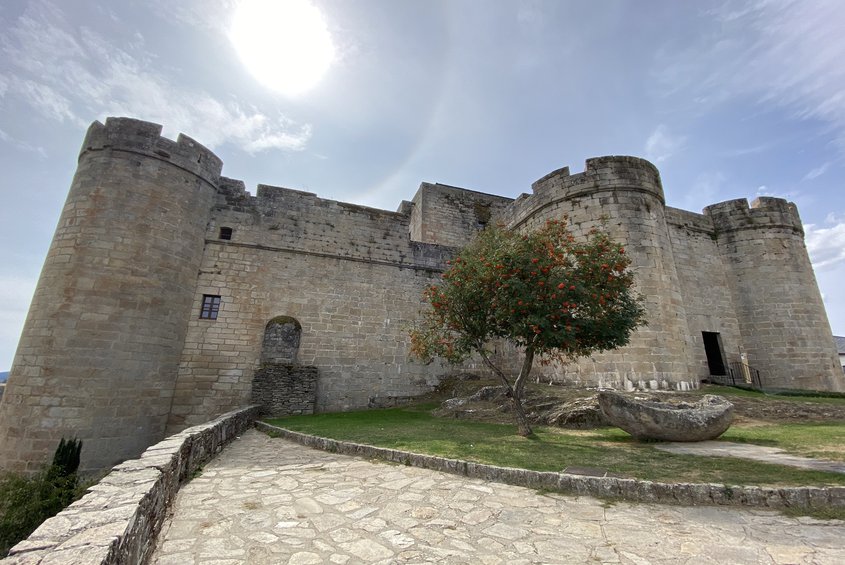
266, 500
750, 451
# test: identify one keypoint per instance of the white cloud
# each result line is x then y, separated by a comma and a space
704, 191
212, 15
662, 144
817, 172
70, 74
21, 144
47, 100
783, 53
826, 245
792, 196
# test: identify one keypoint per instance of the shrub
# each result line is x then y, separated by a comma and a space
26, 501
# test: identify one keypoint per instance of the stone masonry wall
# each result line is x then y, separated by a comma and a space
102, 341
349, 275
706, 293
118, 519
447, 215
284, 389
776, 299
624, 196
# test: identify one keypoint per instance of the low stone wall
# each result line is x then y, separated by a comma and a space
634, 490
118, 520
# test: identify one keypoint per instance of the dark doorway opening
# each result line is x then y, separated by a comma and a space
715, 355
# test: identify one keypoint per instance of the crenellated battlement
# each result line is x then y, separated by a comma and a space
144, 138
765, 212
601, 174
270, 200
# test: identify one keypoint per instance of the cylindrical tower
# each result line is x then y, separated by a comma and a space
782, 319
100, 349
623, 195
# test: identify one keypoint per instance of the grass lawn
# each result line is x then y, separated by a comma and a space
836, 398
553, 449
822, 441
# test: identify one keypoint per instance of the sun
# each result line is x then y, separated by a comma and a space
284, 43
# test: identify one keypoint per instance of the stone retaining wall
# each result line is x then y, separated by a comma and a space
634, 490
118, 520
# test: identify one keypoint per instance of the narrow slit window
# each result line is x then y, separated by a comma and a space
210, 307
225, 233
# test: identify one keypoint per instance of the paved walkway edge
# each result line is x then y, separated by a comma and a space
634, 490
118, 520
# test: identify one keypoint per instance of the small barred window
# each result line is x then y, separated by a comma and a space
210, 307
225, 233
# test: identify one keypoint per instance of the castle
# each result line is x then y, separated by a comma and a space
168, 289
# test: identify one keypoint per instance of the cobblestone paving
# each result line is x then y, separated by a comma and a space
266, 500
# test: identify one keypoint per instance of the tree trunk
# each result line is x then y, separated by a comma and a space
527, 363
523, 427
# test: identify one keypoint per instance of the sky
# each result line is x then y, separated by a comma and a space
730, 99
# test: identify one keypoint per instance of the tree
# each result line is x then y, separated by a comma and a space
548, 293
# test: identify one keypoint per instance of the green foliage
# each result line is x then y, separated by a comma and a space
558, 297
26, 501
545, 290
66, 458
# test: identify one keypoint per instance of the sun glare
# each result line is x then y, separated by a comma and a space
284, 43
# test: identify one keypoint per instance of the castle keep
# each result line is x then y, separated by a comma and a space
168, 291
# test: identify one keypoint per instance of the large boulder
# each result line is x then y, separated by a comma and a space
578, 413
664, 421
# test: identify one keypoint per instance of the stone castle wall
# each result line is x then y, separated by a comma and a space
703, 275
115, 350
624, 196
780, 312
102, 341
349, 275
447, 215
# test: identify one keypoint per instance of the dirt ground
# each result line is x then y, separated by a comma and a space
576, 407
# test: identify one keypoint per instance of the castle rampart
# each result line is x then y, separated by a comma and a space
775, 296
144, 139
448, 215
623, 195
105, 331
162, 277
351, 277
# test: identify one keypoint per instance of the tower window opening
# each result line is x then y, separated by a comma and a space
210, 307
225, 233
